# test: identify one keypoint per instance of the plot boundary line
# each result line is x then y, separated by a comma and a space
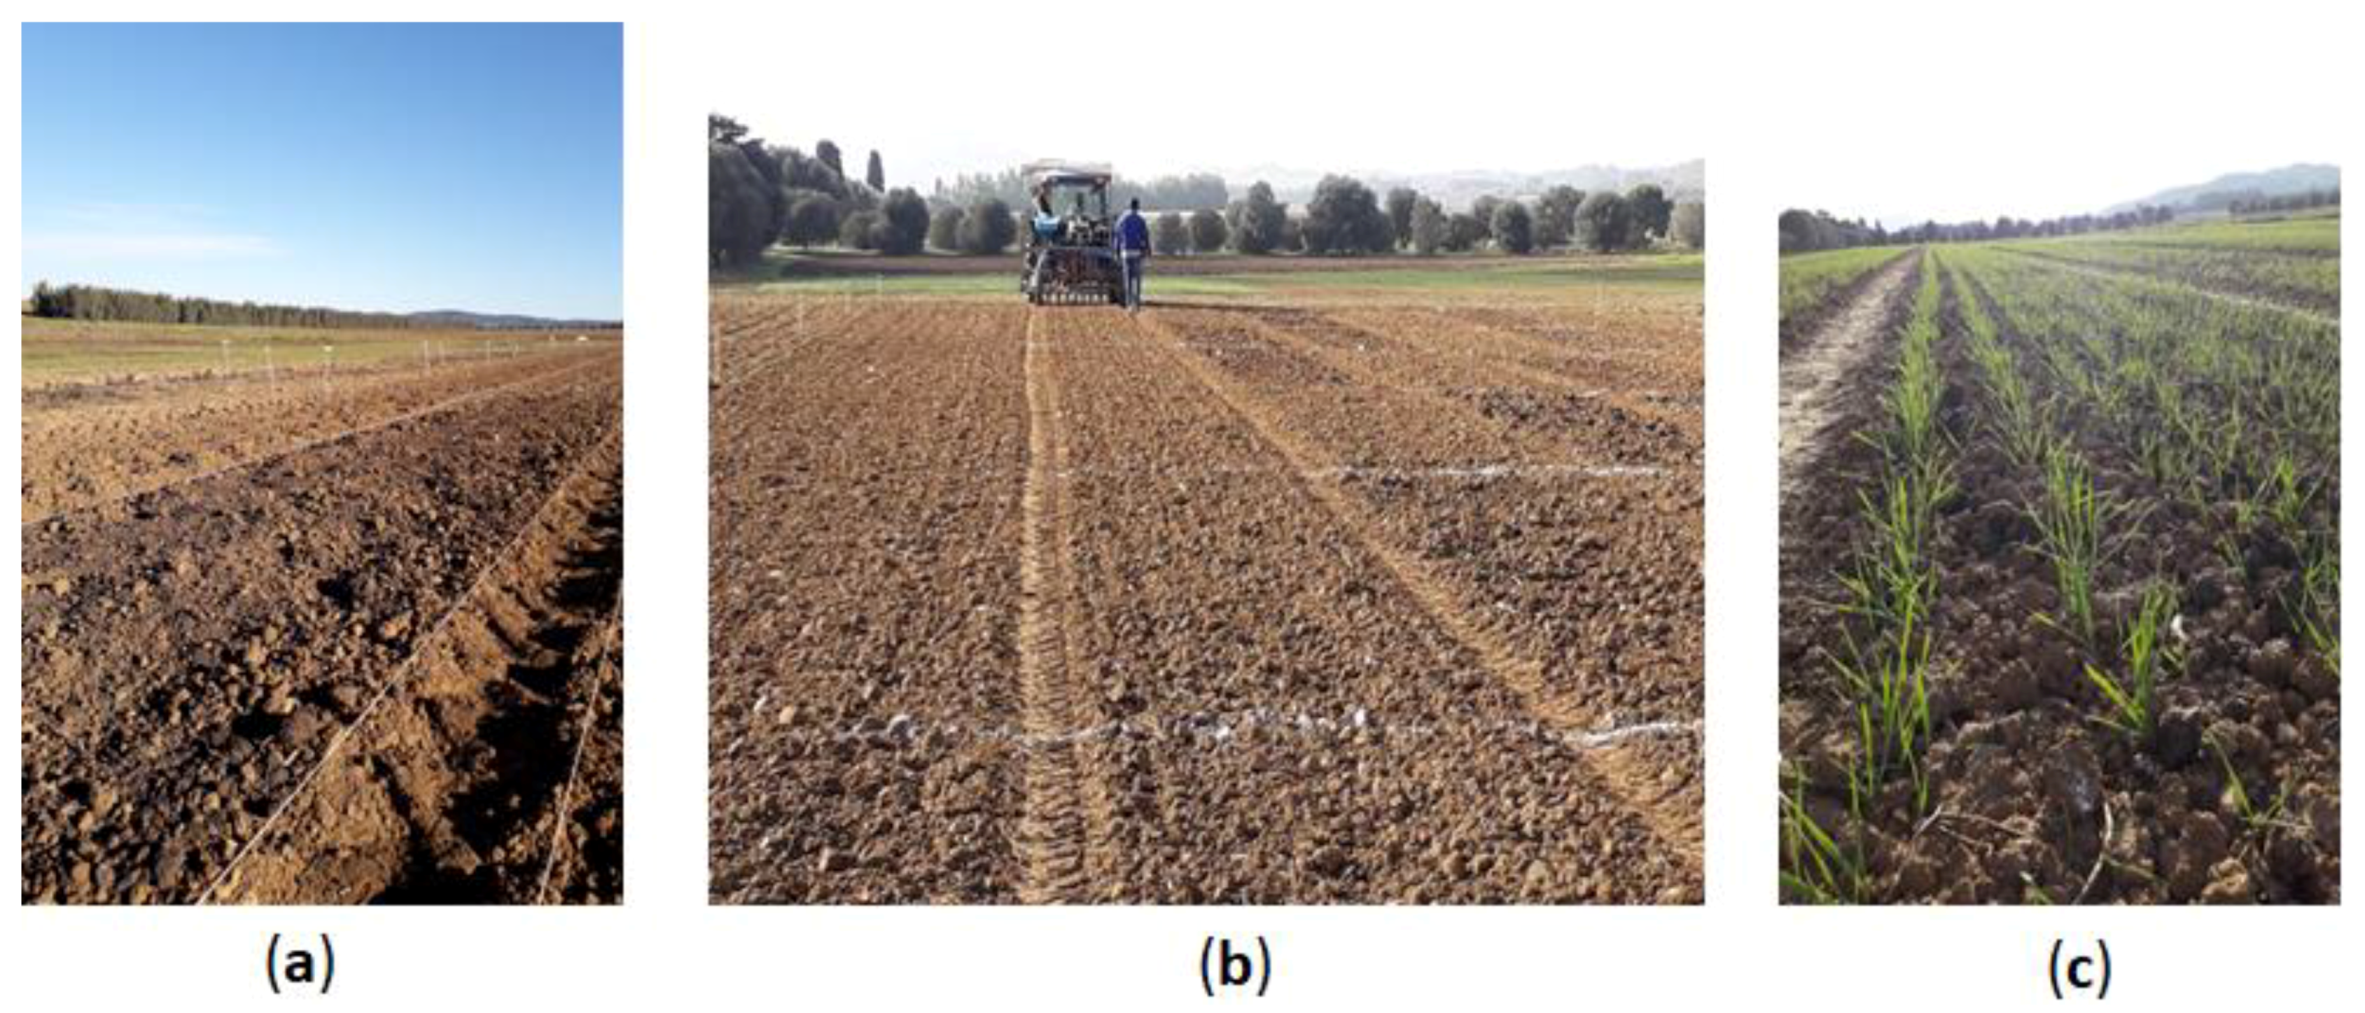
306, 446
1680, 831
403, 672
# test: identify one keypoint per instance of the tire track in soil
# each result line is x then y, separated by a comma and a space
305, 446
1066, 819
1813, 376
1677, 826
446, 788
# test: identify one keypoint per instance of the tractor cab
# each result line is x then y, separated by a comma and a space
1069, 255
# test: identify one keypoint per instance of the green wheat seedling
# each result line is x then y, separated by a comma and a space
2259, 821
1816, 869
2134, 696
2070, 522
1890, 684
2286, 498
2319, 600
2229, 543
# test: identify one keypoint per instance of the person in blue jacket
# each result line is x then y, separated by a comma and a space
1133, 247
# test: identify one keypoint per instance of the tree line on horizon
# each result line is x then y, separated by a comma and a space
1807, 231
760, 194
2251, 202
94, 302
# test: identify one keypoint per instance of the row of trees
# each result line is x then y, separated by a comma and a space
1803, 231
1345, 217
91, 302
2258, 204
760, 194
1198, 191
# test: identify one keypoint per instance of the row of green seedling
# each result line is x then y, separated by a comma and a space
1893, 588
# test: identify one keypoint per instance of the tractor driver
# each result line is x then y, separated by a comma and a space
1133, 247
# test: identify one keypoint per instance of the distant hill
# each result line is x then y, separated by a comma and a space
1457, 189
2214, 194
507, 322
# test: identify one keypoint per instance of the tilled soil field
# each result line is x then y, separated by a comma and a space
1216, 604
347, 640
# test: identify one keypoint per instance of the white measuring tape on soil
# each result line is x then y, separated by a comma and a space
1215, 729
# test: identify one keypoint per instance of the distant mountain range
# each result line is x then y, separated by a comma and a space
1457, 189
507, 321
2213, 195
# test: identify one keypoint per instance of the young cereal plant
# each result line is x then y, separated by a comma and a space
2070, 522
2319, 598
2258, 821
2134, 695
2286, 499
1816, 868
2229, 543
1890, 682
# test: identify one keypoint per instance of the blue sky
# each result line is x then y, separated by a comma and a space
375, 167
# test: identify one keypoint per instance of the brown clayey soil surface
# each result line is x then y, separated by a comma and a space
223, 641
1215, 604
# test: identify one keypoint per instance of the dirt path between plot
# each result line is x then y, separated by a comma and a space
1812, 377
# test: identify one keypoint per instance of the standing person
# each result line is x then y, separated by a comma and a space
1133, 247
